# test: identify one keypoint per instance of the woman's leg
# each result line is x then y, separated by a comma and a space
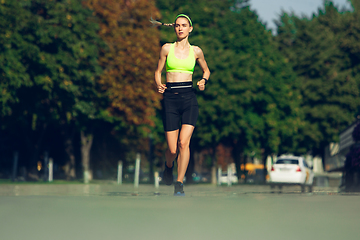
171, 152
184, 150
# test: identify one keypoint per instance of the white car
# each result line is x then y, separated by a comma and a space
291, 170
224, 178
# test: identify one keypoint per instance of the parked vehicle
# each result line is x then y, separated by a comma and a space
233, 178
291, 170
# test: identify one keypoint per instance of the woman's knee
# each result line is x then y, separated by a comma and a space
172, 151
183, 144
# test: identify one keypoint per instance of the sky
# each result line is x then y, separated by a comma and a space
269, 10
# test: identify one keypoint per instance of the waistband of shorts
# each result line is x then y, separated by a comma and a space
178, 85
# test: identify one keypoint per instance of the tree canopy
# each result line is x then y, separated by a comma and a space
130, 58
319, 51
52, 83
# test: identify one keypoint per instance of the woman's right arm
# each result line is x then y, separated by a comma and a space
163, 54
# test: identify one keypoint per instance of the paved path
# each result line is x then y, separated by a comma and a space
106, 211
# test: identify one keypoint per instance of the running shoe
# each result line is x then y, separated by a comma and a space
179, 189
168, 175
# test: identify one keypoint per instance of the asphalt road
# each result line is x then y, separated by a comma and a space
96, 212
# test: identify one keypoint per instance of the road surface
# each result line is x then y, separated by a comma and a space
109, 211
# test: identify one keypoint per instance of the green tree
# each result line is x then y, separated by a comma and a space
13, 73
56, 47
255, 96
317, 50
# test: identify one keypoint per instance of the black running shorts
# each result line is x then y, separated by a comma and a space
179, 107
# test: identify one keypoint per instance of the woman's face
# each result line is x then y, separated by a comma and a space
182, 27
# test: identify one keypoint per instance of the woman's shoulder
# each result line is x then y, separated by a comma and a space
166, 45
197, 50
165, 49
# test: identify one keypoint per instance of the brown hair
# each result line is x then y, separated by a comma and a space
157, 23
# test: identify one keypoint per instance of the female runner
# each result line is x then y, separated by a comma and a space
179, 103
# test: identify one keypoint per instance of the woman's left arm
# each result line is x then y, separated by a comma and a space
201, 61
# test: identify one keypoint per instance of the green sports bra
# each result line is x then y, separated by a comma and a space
173, 64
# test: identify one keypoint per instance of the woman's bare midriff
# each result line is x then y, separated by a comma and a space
178, 77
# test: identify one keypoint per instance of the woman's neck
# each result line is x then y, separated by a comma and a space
183, 43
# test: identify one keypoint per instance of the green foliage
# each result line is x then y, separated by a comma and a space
50, 66
55, 44
12, 46
322, 51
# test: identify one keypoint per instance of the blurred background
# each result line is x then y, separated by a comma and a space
77, 87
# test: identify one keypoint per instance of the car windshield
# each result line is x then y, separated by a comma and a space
287, 161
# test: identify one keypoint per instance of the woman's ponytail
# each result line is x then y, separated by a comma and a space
157, 23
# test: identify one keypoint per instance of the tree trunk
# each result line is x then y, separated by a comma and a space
264, 158
86, 142
237, 153
68, 131
214, 164
70, 166
34, 141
